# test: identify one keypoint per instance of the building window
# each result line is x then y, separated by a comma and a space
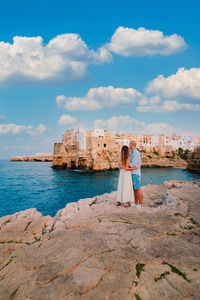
104, 145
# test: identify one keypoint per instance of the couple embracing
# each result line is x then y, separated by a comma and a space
129, 189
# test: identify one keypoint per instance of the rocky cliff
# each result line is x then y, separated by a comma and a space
107, 159
193, 160
94, 250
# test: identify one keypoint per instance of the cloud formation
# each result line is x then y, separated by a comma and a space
129, 124
65, 58
168, 106
14, 129
185, 83
143, 42
108, 97
67, 120
101, 97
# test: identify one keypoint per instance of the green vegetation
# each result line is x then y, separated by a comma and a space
167, 156
193, 221
177, 271
139, 269
143, 151
155, 152
11, 259
109, 250
189, 227
93, 202
6, 222
121, 221
183, 153
177, 214
173, 154
9, 242
18, 242
24, 217
171, 234
161, 276
100, 220
149, 156
137, 297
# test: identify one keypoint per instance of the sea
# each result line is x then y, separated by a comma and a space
26, 185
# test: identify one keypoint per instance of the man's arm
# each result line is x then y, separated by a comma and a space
133, 164
128, 168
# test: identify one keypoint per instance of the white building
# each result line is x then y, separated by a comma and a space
98, 132
80, 133
124, 142
155, 141
186, 142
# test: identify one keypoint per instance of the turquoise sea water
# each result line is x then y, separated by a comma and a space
35, 184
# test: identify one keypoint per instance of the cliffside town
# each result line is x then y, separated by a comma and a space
99, 149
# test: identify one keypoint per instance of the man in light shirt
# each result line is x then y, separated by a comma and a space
135, 160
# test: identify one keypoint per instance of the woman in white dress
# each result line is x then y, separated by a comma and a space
125, 186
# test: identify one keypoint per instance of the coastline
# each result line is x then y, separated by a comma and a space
83, 251
32, 158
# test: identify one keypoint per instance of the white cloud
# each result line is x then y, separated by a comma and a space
185, 83
14, 129
63, 59
122, 123
129, 124
67, 120
105, 97
37, 131
142, 42
161, 128
168, 106
98, 98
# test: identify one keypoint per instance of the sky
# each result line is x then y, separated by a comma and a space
132, 66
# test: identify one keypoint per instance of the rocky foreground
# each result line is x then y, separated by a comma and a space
95, 250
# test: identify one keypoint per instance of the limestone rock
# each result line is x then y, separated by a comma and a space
193, 159
93, 249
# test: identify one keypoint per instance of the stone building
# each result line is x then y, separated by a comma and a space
90, 150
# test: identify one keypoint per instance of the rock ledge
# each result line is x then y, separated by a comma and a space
94, 250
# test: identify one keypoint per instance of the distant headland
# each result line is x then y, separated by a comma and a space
45, 156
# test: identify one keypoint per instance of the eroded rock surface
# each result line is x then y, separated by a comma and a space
94, 250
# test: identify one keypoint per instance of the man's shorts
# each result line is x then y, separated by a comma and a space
136, 181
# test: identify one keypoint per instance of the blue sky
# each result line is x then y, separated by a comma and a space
132, 66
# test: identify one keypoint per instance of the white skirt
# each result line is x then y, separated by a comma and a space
125, 187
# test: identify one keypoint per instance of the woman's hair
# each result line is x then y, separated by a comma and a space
124, 155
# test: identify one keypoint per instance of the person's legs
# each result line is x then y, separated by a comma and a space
136, 196
140, 196
137, 189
